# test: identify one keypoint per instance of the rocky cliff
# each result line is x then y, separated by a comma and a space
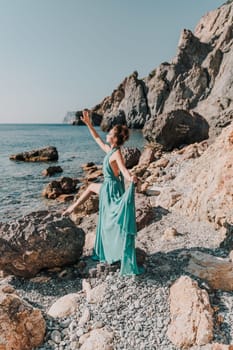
199, 78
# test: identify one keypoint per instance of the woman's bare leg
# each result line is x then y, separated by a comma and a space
92, 188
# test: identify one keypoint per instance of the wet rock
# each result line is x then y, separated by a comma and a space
41, 155
140, 256
65, 185
52, 170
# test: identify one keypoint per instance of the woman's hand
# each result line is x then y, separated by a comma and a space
134, 179
67, 212
86, 117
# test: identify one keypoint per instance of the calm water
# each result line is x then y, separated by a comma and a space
21, 183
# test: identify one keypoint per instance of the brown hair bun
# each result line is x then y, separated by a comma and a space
121, 132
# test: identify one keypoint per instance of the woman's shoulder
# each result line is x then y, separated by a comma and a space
116, 153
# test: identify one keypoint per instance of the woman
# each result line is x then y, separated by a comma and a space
116, 230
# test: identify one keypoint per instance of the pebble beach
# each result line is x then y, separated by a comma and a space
134, 309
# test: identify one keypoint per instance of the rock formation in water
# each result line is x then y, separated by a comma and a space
47, 154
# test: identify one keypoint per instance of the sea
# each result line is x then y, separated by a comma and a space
21, 183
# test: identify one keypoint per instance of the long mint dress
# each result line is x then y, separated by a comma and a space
116, 230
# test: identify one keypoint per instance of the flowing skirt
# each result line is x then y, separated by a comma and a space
116, 230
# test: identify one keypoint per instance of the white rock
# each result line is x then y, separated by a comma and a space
98, 339
65, 305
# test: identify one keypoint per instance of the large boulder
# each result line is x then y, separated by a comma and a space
47, 154
191, 314
176, 128
131, 156
22, 327
39, 240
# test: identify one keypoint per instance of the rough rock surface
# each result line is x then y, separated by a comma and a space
176, 128
144, 211
127, 105
95, 119
22, 327
98, 339
39, 240
198, 78
64, 306
41, 155
197, 180
216, 29
191, 314
206, 186
56, 188
218, 272
131, 156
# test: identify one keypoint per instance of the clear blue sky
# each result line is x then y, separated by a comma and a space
64, 55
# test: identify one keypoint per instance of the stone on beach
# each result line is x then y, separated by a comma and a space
191, 314
64, 306
218, 272
39, 240
47, 154
22, 327
96, 294
144, 211
98, 339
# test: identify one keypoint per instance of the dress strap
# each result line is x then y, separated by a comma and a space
114, 149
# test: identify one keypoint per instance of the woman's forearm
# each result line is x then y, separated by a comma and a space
92, 130
127, 175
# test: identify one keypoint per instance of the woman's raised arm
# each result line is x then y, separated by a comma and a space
86, 120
